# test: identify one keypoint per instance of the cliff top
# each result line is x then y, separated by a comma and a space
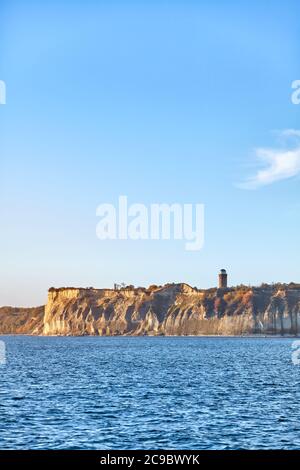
183, 287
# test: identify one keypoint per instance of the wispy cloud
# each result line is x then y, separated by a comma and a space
290, 133
276, 163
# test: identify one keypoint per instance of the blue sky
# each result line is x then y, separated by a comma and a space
162, 102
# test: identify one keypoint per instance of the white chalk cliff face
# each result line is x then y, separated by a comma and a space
174, 309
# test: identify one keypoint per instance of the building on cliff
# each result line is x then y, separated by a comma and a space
223, 279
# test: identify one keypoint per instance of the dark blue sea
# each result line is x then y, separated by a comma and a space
149, 393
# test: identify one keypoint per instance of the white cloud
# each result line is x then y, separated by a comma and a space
290, 133
277, 163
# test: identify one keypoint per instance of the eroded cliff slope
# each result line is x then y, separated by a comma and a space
174, 309
15, 320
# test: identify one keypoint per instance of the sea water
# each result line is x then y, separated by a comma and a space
149, 393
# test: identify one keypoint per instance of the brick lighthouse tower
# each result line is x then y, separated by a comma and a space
223, 279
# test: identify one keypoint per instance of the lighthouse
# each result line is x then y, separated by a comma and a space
223, 279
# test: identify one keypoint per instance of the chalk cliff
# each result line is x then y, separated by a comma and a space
174, 309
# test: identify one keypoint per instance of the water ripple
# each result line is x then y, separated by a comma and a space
149, 393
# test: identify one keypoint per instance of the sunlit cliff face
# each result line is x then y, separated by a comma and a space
173, 309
